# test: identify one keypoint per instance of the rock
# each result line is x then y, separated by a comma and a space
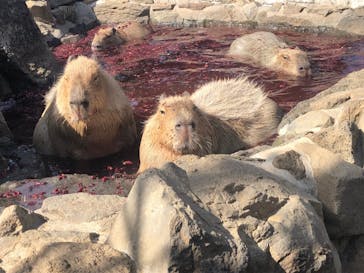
44, 252
265, 211
163, 228
81, 258
23, 56
64, 13
118, 11
6, 136
85, 15
350, 87
40, 10
5, 89
160, 16
352, 24
57, 3
339, 184
15, 220
250, 10
70, 39
63, 213
193, 4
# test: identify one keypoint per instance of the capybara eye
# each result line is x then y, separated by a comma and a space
162, 112
178, 126
285, 57
193, 125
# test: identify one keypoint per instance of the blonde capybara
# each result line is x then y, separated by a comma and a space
87, 114
268, 50
114, 36
220, 117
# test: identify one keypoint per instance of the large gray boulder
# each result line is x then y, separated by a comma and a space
279, 221
24, 56
240, 210
164, 229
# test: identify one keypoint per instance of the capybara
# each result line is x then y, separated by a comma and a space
266, 49
222, 116
114, 36
87, 114
106, 38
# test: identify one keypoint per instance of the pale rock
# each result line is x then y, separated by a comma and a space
164, 229
15, 220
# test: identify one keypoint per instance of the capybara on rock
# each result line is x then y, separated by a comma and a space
220, 117
87, 114
266, 49
122, 33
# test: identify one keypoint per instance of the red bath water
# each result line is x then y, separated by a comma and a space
172, 61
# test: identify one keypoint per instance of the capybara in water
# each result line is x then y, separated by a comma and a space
220, 117
87, 114
122, 33
266, 49
106, 38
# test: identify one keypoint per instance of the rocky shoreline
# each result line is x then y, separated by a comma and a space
295, 206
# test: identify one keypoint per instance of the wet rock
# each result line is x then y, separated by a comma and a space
64, 13
163, 228
40, 10
275, 218
24, 57
6, 136
57, 3
5, 89
85, 15
15, 220
118, 11
81, 212
340, 185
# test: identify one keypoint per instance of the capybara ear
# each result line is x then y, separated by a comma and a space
186, 94
71, 57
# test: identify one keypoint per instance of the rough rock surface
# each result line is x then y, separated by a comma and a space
267, 211
69, 213
117, 11
23, 56
163, 228
334, 119
340, 185
262, 210
15, 219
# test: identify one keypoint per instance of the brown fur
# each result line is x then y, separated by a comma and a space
87, 115
122, 33
220, 117
266, 49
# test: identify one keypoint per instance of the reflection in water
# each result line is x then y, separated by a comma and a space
172, 61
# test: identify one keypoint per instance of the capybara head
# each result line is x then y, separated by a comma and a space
106, 38
80, 92
182, 124
293, 61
